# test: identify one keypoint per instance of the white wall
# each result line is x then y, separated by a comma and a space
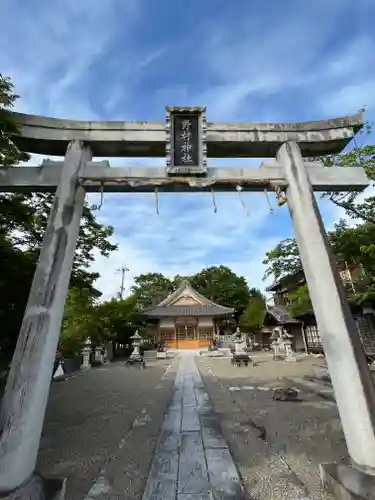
166, 323
170, 322
205, 321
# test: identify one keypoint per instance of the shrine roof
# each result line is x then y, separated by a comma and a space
199, 310
195, 305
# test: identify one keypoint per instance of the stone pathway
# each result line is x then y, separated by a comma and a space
192, 461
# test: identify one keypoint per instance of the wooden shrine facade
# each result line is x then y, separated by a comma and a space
187, 319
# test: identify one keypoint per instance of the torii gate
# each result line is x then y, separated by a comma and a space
26, 394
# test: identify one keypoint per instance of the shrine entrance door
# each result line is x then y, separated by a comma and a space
187, 333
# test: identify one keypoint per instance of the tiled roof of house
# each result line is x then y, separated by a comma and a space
287, 281
281, 315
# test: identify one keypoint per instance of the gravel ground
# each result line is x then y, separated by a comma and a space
102, 427
276, 445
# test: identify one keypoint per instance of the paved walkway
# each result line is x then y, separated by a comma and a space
192, 461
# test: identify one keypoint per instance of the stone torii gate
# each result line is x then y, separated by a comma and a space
185, 139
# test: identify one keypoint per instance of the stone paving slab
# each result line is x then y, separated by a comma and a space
192, 460
277, 446
102, 427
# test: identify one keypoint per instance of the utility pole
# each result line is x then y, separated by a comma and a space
123, 269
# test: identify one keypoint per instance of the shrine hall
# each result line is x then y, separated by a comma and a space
186, 319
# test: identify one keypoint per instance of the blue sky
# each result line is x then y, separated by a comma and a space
246, 60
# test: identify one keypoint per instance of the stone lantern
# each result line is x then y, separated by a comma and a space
99, 355
287, 342
86, 351
276, 344
136, 343
239, 342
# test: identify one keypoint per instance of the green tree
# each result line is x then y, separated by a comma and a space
255, 292
78, 313
254, 314
352, 246
151, 288
114, 320
23, 218
349, 244
179, 279
102, 322
223, 286
17, 269
362, 155
10, 154
299, 301
283, 260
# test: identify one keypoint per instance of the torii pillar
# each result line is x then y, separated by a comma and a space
351, 379
26, 393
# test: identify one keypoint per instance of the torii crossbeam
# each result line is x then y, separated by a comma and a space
26, 393
99, 176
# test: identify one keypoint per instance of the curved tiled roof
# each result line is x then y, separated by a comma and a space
206, 307
193, 310
280, 314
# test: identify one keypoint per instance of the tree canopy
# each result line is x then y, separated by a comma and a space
10, 154
23, 219
353, 247
362, 155
219, 284
151, 288
255, 312
299, 301
222, 285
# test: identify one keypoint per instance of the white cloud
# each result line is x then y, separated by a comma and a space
349, 99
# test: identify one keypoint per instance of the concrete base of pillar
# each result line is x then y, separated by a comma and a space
85, 367
38, 488
346, 482
321, 372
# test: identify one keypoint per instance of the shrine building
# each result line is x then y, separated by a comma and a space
186, 319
